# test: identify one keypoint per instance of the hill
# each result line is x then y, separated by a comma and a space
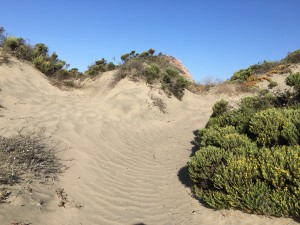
127, 144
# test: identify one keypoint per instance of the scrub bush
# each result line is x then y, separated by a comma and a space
220, 108
293, 57
249, 157
152, 73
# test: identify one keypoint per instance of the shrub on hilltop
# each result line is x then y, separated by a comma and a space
153, 69
293, 57
100, 66
249, 157
39, 56
267, 67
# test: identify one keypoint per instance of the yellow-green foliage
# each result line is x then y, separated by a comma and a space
38, 54
273, 127
293, 80
242, 74
152, 73
220, 108
265, 182
249, 159
42, 65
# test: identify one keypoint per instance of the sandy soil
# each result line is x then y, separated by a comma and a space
126, 153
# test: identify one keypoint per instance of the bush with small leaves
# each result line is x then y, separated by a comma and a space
293, 80
111, 66
249, 159
12, 43
220, 108
272, 127
272, 84
99, 67
41, 64
152, 73
173, 82
242, 74
266, 182
40, 49
293, 57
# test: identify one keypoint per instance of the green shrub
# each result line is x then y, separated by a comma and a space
40, 49
263, 67
151, 68
293, 57
111, 66
293, 80
226, 138
204, 164
220, 108
273, 127
249, 158
41, 64
172, 72
24, 52
242, 74
272, 84
12, 43
152, 73
173, 82
267, 182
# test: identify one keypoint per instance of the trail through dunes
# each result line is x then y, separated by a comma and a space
128, 158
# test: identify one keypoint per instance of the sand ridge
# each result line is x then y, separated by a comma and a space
126, 153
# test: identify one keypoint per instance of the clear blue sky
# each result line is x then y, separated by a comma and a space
212, 37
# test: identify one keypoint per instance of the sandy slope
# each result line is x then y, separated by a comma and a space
127, 154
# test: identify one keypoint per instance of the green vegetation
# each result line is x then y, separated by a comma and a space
293, 57
146, 65
47, 63
267, 68
272, 84
153, 69
39, 56
249, 157
100, 66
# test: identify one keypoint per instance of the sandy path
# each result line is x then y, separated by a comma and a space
126, 153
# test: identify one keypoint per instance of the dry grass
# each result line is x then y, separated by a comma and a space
66, 84
159, 103
4, 194
28, 156
280, 69
20, 223
4, 56
226, 88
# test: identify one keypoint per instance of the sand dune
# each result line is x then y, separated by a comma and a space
126, 153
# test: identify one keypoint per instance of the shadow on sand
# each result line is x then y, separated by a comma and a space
183, 173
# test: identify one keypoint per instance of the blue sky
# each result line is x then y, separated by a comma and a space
212, 38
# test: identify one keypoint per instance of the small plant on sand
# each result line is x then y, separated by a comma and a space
28, 156
20, 223
272, 84
63, 197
